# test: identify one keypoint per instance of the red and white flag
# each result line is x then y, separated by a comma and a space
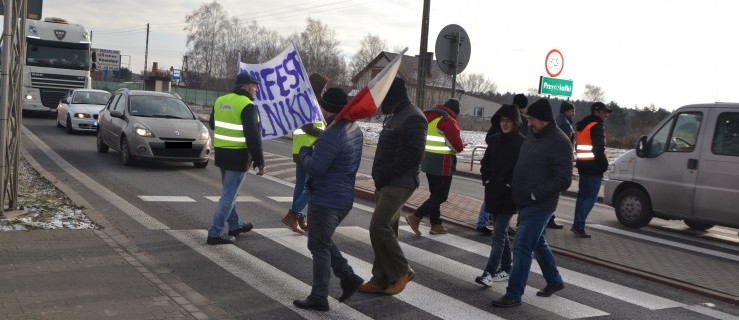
366, 102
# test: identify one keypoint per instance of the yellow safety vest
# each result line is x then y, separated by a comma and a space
302, 139
229, 130
435, 141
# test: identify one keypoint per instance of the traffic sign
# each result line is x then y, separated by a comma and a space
452, 49
554, 63
176, 75
555, 87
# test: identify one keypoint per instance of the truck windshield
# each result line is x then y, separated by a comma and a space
56, 54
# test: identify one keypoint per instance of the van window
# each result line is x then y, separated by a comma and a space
726, 138
685, 135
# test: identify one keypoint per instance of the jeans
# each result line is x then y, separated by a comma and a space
483, 217
389, 263
586, 197
226, 208
439, 189
500, 251
531, 237
326, 256
300, 193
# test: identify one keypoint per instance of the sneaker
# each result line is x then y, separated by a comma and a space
438, 229
414, 222
245, 227
485, 279
223, 239
501, 276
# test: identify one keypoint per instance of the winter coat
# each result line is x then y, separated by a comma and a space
238, 159
498, 163
443, 164
332, 165
401, 145
598, 135
565, 124
544, 168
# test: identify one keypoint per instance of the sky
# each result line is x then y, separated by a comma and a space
639, 52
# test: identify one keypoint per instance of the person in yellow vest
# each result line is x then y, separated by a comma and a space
238, 142
443, 142
295, 220
591, 163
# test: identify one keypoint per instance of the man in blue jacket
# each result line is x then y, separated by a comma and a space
332, 165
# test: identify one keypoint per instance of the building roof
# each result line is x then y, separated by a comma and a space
409, 71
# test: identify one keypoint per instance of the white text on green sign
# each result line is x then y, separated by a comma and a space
555, 87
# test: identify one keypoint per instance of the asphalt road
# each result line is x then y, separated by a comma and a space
162, 211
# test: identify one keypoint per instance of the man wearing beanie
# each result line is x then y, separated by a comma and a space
591, 163
331, 164
543, 170
443, 142
395, 172
305, 136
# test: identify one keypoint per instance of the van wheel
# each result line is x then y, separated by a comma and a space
633, 208
697, 225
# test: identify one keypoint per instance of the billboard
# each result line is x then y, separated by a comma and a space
106, 59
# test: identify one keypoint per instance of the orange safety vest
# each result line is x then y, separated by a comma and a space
585, 143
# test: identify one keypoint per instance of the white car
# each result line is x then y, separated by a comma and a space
78, 110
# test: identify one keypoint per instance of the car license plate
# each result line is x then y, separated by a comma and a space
178, 145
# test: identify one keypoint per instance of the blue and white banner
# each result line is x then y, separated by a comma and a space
285, 99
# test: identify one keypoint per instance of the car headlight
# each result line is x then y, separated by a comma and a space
143, 131
204, 133
81, 115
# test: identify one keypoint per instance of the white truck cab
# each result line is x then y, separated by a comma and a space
687, 168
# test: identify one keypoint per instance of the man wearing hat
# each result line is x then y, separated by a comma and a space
543, 170
443, 142
304, 136
591, 163
237, 142
331, 164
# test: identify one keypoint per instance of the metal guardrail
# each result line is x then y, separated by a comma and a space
472, 157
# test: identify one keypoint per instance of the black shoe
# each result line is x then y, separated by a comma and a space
310, 304
554, 225
548, 291
245, 227
505, 302
349, 286
220, 240
485, 230
580, 232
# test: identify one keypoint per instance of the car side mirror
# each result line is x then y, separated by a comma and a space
116, 114
642, 147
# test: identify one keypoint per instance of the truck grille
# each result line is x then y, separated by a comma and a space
53, 87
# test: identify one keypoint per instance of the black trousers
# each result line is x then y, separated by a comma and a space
439, 189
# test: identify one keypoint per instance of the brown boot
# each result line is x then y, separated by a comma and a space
291, 221
399, 285
438, 229
414, 222
371, 287
303, 225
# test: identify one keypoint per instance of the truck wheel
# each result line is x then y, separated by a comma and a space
697, 225
633, 208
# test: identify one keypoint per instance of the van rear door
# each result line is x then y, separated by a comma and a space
717, 189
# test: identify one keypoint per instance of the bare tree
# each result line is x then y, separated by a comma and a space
593, 93
476, 83
203, 34
370, 47
319, 51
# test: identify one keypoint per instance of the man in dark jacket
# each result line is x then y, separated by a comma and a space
234, 150
591, 163
395, 171
332, 165
564, 122
443, 142
497, 167
543, 170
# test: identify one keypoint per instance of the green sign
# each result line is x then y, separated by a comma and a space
555, 87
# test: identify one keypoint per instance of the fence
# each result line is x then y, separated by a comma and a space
191, 96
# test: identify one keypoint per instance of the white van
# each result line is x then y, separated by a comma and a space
687, 168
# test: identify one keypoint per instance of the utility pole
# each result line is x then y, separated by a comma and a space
422, 56
146, 53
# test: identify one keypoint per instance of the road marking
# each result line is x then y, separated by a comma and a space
126, 207
279, 172
262, 276
561, 306
166, 199
433, 302
570, 277
711, 312
282, 199
238, 199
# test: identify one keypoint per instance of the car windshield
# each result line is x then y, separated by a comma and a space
159, 107
88, 97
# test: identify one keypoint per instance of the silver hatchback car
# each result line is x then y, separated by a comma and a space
147, 125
